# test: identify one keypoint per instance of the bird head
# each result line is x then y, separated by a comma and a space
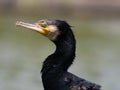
49, 28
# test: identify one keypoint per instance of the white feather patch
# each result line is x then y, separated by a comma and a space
54, 32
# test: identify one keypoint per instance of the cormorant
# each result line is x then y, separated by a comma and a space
55, 75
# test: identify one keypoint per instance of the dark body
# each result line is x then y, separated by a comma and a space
66, 81
54, 72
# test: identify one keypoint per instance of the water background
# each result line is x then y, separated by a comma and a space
22, 52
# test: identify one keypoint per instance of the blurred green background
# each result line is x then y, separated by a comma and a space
96, 25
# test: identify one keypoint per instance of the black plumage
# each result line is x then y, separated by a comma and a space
54, 71
55, 75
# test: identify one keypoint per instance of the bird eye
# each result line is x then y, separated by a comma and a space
44, 25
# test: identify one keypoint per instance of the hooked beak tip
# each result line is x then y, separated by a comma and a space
18, 23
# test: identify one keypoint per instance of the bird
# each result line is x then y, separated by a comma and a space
55, 74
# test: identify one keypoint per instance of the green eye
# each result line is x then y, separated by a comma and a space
44, 25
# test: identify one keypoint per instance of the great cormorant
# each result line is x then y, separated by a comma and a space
55, 75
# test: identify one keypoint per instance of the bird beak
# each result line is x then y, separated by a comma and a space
35, 27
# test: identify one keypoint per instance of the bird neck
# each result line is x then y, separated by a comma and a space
63, 56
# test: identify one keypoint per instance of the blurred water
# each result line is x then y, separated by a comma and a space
23, 51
